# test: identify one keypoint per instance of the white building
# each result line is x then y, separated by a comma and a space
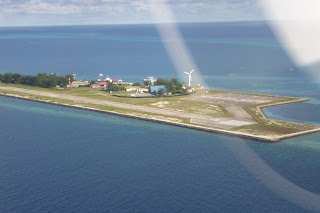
130, 89
137, 89
117, 81
150, 80
108, 79
142, 90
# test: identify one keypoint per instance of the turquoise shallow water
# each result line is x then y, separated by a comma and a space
66, 160
56, 159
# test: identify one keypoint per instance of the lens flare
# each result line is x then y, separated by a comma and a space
173, 40
273, 180
299, 34
296, 24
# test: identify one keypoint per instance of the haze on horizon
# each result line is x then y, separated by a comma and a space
96, 12
296, 35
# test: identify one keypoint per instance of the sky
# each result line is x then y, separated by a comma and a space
88, 12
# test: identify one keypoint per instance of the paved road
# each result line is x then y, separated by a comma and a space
219, 122
233, 102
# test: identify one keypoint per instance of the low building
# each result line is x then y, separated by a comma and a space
126, 84
137, 89
117, 81
130, 89
155, 89
103, 83
78, 84
69, 86
150, 80
108, 79
142, 90
95, 86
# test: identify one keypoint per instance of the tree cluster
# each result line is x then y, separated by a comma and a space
114, 87
137, 84
40, 80
172, 85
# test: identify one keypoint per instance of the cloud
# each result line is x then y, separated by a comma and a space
54, 7
124, 11
37, 7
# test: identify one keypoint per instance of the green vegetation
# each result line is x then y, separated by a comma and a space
40, 80
137, 85
173, 85
161, 91
114, 87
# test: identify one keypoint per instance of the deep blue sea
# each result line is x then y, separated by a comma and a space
57, 159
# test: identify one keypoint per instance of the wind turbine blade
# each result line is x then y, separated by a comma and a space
186, 73
191, 71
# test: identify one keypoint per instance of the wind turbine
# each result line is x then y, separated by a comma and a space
190, 78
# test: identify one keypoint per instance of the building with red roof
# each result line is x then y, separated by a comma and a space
95, 85
103, 83
117, 81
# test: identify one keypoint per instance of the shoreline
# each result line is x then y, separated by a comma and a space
277, 104
189, 126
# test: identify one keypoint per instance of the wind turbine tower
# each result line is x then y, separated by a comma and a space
190, 78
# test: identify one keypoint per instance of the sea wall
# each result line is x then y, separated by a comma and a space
190, 126
276, 104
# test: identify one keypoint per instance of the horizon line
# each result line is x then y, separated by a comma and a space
154, 23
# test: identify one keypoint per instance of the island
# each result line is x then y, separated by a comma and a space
227, 112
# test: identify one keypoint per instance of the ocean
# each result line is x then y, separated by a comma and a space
57, 159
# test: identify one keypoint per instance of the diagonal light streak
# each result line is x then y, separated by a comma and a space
296, 24
173, 40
